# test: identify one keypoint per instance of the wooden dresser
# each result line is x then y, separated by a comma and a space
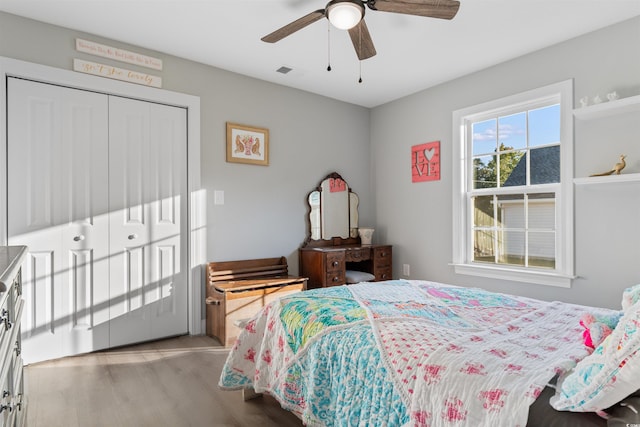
327, 266
12, 401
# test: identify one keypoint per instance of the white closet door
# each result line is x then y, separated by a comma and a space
148, 190
58, 206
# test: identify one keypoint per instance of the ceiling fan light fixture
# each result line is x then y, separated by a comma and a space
345, 14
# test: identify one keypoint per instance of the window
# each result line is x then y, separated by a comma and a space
513, 200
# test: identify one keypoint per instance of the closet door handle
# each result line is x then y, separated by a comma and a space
132, 236
78, 238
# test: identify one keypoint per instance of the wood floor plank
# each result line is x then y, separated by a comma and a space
172, 382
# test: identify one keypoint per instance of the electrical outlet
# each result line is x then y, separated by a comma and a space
406, 270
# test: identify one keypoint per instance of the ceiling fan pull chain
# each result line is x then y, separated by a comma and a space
360, 61
328, 45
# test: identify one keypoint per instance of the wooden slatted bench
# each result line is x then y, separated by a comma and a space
237, 290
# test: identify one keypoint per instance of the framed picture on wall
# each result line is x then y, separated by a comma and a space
425, 162
247, 144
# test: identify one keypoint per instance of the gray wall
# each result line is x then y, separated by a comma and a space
265, 207
416, 218
264, 211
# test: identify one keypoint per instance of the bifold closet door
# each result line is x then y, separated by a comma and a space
58, 207
148, 195
97, 189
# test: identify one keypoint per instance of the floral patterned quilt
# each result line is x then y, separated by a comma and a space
406, 353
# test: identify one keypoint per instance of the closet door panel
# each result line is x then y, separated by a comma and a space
168, 210
57, 193
148, 180
128, 217
85, 180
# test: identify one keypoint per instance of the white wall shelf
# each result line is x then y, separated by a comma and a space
604, 109
608, 179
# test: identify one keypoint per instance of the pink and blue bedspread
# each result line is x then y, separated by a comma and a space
406, 353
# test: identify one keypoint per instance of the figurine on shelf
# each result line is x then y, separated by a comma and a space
584, 101
612, 96
617, 168
597, 99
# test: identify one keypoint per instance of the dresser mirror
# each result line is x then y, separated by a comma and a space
333, 210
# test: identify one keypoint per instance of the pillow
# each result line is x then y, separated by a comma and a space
609, 374
630, 296
358, 276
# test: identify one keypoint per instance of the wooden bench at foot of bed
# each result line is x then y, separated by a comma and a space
237, 290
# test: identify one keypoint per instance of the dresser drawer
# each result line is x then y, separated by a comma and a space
6, 402
7, 314
383, 273
358, 254
336, 278
382, 255
335, 262
16, 289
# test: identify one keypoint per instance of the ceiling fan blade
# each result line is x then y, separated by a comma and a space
362, 41
443, 9
294, 26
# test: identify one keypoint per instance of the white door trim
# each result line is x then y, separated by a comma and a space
196, 214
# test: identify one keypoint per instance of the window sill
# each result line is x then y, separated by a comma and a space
517, 275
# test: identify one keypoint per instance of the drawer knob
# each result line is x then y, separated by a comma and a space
335, 263
78, 238
132, 236
335, 279
5, 319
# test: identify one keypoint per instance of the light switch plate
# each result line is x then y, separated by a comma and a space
218, 197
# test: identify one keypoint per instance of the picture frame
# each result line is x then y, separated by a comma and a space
247, 144
425, 162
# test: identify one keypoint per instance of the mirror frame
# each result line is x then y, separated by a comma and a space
353, 238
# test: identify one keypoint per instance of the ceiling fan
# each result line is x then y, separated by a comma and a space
349, 15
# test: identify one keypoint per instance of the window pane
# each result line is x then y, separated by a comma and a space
513, 169
511, 208
484, 137
512, 130
483, 250
511, 246
483, 211
542, 211
542, 249
544, 126
485, 172
545, 165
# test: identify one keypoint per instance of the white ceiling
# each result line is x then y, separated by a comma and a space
414, 53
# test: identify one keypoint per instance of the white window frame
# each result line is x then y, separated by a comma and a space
463, 263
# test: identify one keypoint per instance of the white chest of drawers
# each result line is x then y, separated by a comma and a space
12, 399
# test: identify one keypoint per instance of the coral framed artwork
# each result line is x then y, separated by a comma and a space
425, 162
247, 144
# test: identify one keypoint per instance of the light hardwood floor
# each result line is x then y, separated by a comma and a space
171, 382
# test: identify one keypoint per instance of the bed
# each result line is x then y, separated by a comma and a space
419, 353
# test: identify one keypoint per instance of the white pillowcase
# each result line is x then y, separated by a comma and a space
609, 374
353, 276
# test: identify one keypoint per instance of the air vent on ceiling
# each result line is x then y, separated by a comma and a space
284, 70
